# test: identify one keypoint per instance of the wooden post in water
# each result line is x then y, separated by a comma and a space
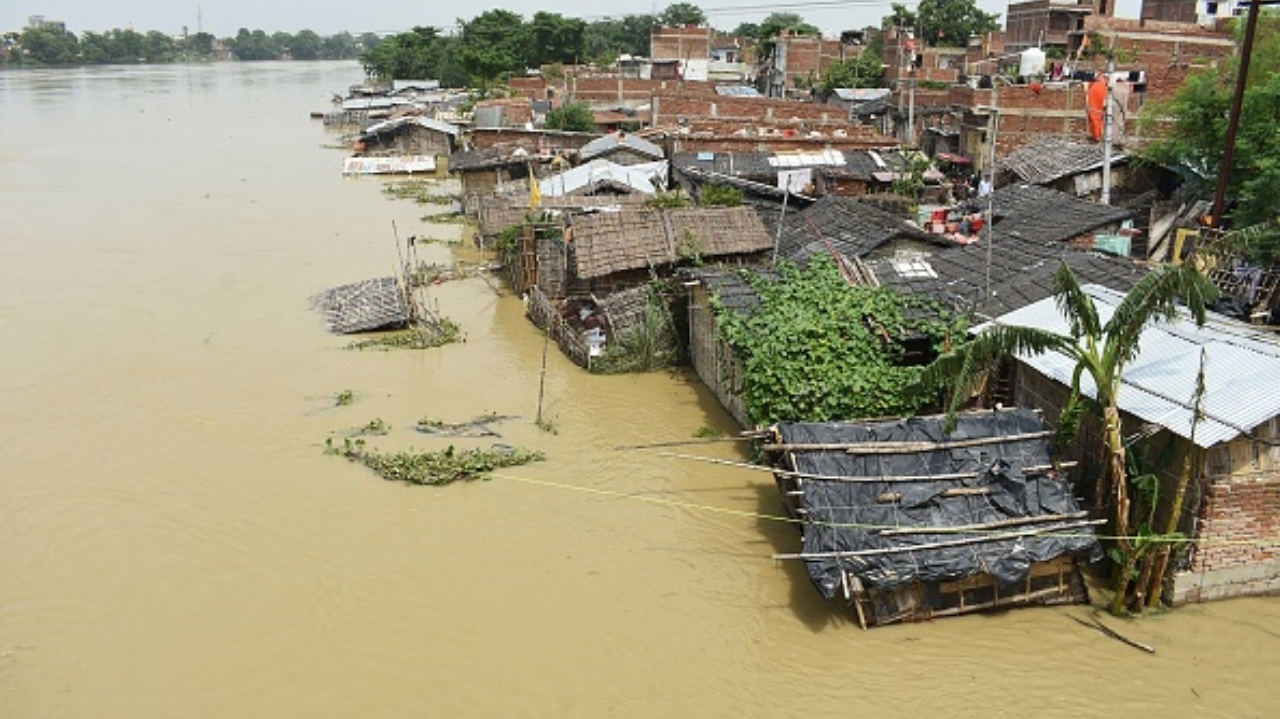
542, 380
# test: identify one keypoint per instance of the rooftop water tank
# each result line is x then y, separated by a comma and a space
1031, 62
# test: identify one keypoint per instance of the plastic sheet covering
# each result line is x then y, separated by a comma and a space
846, 516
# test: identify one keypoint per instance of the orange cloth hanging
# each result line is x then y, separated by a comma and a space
1097, 101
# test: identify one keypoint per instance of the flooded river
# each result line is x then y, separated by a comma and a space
174, 542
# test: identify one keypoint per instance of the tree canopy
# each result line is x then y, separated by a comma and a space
682, 13
1195, 136
946, 23
865, 70
607, 39
421, 53
773, 26
573, 117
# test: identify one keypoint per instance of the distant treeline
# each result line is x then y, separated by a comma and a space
501, 43
52, 44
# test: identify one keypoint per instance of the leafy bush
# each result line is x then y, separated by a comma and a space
818, 349
719, 196
573, 117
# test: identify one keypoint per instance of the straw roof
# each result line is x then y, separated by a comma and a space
363, 306
606, 243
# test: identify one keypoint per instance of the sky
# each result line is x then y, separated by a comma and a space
328, 17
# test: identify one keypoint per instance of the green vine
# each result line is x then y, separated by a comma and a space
818, 349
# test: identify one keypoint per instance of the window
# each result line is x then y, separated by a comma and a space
912, 266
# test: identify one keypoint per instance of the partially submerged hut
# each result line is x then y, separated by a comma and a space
380, 303
585, 262
1226, 441
406, 144
909, 523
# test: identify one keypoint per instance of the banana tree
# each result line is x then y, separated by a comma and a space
1101, 351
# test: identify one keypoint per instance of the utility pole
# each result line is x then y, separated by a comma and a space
1105, 197
911, 89
993, 119
1237, 102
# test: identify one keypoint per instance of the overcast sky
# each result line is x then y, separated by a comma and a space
327, 17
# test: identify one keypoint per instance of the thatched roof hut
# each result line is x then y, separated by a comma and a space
910, 523
379, 303
606, 243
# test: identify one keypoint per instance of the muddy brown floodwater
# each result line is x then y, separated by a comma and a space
174, 543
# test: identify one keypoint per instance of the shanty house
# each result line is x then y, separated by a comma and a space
407, 144
593, 257
829, 171
481, 171
602, 177
1232, 506
1058, 163
907, 523
848, 230
1035, 232
622, 149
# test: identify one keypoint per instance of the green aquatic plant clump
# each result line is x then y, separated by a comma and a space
442, 467
445, 332
817, 348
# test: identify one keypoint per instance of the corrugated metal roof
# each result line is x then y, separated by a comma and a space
737, 91
1242, 369
374, 103
645, 178
861, 94
613, 141
420, 121
401, 85
808, 159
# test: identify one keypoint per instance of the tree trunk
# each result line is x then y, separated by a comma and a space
1161, 560
1116, 476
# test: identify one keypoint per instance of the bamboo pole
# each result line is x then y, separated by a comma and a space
901, 447
1161, 560
938, 545
1013, 522
1098, 625
838, 477
888, 497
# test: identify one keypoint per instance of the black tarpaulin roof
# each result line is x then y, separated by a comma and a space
898, 477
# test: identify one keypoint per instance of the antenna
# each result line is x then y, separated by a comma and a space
199, 19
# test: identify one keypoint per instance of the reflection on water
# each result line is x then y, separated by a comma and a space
174, 543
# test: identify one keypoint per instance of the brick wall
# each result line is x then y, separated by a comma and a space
532, 88
529, 139
667, 107
619, 91
727, 142
809, 56
680, 43
1239, 523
